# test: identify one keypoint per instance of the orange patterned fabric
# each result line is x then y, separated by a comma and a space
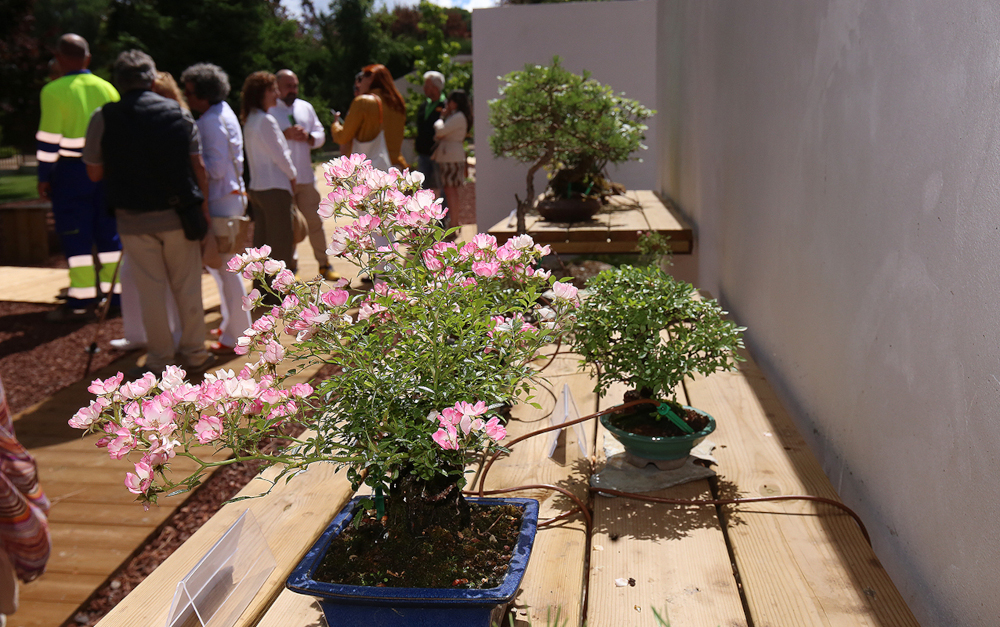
24, 528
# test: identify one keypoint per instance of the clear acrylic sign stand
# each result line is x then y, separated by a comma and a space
223, 583
565, 411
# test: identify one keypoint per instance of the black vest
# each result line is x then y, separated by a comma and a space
146, 150
424, 143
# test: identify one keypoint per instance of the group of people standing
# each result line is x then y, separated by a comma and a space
377, 119
129, 169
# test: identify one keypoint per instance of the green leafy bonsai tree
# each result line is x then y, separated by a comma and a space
572, 125
620, 328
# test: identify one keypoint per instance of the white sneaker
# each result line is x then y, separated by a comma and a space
125, 344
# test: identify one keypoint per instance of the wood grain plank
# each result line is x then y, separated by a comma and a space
677, 557
60, 588
800, 563
38, 614
292, 609
290, 517
33, 285
545, 589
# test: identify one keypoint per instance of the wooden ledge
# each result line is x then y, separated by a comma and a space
615, 230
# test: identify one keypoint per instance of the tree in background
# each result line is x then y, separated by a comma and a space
325, 48
435, 53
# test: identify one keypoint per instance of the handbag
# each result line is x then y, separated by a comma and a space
376, 149
230, 232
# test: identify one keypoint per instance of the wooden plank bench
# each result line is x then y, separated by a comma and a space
783, 563
614, 230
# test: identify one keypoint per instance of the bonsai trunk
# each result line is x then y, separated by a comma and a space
524, 205
414, 504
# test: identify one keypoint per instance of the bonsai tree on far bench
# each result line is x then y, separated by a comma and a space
569, 124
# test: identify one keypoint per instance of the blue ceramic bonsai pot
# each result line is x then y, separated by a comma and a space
659, 449
348, 606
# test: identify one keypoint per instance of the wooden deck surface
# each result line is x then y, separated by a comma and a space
614, 230
95, 523
774, 564
787, 563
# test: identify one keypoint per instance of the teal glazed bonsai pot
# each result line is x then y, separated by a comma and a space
351, 606
658, 449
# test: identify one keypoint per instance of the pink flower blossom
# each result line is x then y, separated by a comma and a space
566, 291
494, 430
157, 417
274, 352
86, 416
346, 165
122, 444
256, 254
432, 262
284, 280
107, 386
139, 387
335, 298
172, 377
485, 269
263, 324
235, 263
161, 450
507, 253
251, 300
445, 440
339, 242
484, 241
326, 208
209, 428
273, 266
521, 242
139, 482
368, 310
300, 390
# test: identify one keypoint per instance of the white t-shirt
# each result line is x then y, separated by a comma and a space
303, 114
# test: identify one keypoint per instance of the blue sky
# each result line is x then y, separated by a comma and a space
294, 5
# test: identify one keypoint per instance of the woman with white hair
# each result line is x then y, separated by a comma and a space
205, 87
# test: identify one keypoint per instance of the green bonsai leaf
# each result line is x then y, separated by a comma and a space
640, 326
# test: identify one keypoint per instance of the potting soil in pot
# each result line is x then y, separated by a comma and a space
643, 420
475, 557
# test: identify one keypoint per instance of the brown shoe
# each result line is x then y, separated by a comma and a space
327, 273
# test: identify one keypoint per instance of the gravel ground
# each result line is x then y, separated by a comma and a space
38, 358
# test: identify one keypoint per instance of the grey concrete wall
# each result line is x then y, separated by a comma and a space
841, 159
615, 41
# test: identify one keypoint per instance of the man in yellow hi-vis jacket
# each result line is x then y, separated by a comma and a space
82, 218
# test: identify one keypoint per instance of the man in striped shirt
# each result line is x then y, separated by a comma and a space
83, 221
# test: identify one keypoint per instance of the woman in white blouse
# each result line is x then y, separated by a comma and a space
272, 175
449, 132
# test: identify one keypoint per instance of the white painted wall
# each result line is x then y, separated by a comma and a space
842, 161
616, 41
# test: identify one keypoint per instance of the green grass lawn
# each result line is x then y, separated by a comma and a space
18, 187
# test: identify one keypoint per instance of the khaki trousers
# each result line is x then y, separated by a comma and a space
307, 200
168, 261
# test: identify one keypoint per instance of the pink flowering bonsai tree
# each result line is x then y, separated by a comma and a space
444, 340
